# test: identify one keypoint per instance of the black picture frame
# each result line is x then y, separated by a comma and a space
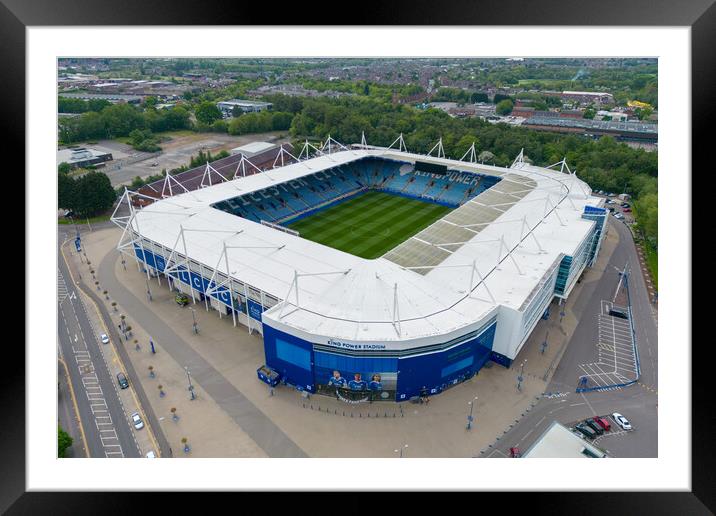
700, 15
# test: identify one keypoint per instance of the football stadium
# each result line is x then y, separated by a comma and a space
372, 273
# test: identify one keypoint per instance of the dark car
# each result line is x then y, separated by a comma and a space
122, 380
181, 299
603, 422
594, 426
515, 453
585, 430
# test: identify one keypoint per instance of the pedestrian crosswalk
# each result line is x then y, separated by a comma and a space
62, 291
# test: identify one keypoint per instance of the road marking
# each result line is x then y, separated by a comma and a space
112, 346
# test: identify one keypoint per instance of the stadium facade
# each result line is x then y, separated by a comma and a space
426, 315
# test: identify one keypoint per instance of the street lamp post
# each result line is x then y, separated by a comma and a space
469, 417
191, 387
400, 450
194, 326
521, 377
149, 292
544, 344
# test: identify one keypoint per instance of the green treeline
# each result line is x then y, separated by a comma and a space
120, 120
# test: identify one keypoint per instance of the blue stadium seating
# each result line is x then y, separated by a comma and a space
290, 199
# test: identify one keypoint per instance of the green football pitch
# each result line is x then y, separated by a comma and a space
370, 224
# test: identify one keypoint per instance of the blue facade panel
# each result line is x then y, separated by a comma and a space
255, 309
291, 357
308, 369
436, 372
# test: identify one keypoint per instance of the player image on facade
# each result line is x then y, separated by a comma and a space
375, 384
337, 380
357, 384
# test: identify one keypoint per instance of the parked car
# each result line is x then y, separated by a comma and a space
181, 299
122, 380
103, 337
626, 205
621, 421
626, 210
618, 216
603, 422
587, 431
150, 455
137, 421
594, 426
515, 453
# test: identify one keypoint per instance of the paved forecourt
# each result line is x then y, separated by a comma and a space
370, 224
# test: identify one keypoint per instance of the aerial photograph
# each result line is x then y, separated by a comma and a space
357, 257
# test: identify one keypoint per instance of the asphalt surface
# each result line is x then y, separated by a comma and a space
637, 402
101, 412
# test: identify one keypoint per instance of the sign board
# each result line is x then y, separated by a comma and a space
255, 309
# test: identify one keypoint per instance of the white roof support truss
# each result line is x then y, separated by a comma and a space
330, 143
282, 153
401, 144
294, 288
439, 147
474, 270
241, 165
206, 178
167, 186
307, 150
519, 160
471, 154
396, 310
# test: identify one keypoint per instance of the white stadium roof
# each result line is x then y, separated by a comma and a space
514, 233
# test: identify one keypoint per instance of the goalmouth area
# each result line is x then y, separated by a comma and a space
370, 224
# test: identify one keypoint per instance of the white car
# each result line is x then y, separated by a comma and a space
150, 455
621, 421
104, 338
618, 216
137, 420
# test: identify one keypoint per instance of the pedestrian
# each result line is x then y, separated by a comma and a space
271, 390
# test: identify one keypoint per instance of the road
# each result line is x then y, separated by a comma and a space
101, 413
637, 402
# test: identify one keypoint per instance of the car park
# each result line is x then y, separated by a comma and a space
103, 337
594, 426
137, 421
587, 431
621, 421
603, 422
122, 380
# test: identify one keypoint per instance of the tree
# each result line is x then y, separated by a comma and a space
65, 191
63, 168
207, 113
93, 193
64, 441
504, 107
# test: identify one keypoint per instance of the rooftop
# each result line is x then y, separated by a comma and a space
512, 234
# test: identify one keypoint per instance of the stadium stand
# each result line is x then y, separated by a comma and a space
285, 201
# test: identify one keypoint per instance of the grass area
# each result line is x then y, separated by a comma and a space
369, 225
92, 220
652, 261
